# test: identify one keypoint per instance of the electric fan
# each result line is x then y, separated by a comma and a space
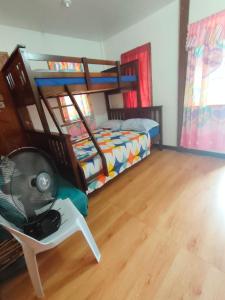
30, 178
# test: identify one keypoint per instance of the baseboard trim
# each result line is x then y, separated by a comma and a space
194, 151
174, 148
203, 153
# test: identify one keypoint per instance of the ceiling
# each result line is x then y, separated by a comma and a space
87, 19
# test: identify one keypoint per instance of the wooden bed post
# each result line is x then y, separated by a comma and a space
138, 85
183, 56
119, 74
107, 103
87, 73
160, 128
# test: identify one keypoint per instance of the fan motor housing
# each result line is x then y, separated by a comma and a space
42, 182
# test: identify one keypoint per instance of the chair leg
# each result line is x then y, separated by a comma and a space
31, 262
89, 238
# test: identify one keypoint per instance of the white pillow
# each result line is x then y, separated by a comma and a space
112, 124
139, 124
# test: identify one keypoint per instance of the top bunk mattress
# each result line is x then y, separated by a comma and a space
59, 81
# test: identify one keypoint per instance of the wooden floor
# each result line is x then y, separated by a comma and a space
161, 230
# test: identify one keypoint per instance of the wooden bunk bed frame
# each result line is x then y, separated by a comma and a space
24, 90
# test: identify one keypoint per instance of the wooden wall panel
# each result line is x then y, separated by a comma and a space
11, 133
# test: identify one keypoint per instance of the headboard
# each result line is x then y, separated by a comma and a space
153, 112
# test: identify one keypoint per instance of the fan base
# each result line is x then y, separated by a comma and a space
43, 225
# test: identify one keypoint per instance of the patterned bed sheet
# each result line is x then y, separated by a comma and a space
122, 149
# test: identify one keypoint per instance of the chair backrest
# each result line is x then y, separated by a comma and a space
67, 210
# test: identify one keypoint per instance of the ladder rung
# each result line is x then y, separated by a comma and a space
75, 141
89, 157
62, 106
71, 123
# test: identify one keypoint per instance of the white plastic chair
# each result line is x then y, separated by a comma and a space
72, 221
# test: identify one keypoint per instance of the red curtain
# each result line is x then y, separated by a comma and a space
143, 55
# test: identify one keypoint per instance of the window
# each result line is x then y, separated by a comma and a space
211, 67
216, 88
69, 112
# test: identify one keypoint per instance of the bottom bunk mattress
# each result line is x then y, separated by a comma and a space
122, 149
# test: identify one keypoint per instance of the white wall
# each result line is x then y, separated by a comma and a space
47, 43
161, 29
200, 9
99, 108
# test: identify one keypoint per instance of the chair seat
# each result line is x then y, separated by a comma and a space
69, 215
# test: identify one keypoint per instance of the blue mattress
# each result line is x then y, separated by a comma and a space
80, 80
154, 132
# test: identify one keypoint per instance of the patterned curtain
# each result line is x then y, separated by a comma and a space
204, 102
83, 101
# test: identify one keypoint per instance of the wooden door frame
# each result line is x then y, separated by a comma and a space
182, 69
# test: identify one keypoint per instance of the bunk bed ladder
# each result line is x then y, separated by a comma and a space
50, 110
91, 136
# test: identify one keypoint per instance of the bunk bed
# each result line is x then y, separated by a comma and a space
37, 87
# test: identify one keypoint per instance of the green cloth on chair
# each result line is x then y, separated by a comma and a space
12, 215
78, 198
9, 212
